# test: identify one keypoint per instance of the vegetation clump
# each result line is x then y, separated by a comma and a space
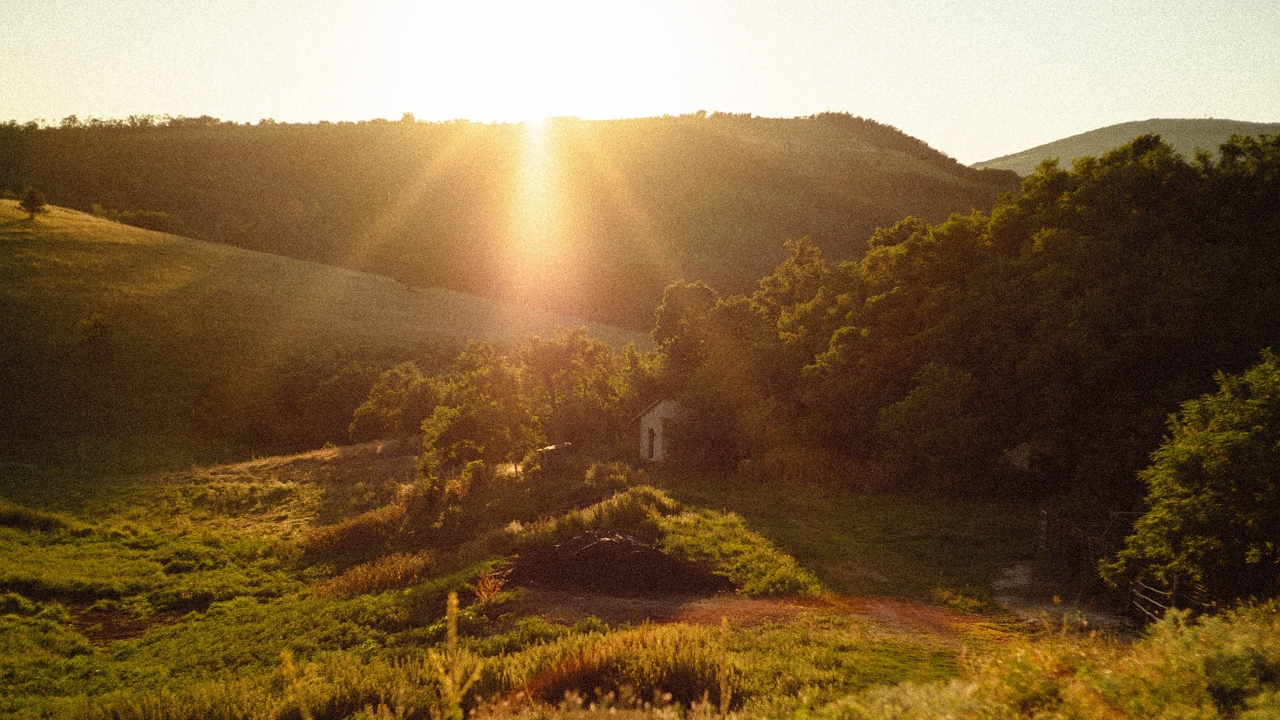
1213, 517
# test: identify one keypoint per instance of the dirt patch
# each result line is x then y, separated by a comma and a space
103, 627
612, 564
1037, 600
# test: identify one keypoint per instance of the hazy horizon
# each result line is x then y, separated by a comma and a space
975, 79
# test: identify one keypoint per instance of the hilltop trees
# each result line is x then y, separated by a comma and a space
1213, 493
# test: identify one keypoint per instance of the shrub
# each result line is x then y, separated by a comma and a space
389, 573
367, 532
1214, 493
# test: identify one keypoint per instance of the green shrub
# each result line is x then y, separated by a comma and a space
1214, 493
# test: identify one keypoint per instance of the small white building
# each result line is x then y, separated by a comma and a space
655, 422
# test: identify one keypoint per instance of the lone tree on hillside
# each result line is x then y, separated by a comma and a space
33, 202
1214, 493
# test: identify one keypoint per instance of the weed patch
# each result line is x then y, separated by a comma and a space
399, 570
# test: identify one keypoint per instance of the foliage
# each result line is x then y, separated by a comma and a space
365, 533
486, 415
1213, 496
212, 353
1027, 352
397, 404
392, 572
579, 385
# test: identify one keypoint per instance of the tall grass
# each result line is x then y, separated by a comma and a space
1220, 667
687, 662
395, 571
365, 533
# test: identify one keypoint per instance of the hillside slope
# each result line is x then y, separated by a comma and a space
591, 219
117, 342
1186, 136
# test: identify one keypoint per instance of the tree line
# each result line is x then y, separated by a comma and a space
1033, 351
1040, 351
591, 219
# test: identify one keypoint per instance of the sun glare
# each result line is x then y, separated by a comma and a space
516, 61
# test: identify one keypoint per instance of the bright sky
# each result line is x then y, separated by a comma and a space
974, 78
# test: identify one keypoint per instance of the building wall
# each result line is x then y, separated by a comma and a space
654, 443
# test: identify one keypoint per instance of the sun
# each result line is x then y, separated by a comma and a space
515, 61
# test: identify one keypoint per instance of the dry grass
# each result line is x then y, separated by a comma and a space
389, 573
366, 532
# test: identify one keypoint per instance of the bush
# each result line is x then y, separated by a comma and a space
1214, 493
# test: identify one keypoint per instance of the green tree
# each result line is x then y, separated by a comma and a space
33, 202
577, 380
400, 400
486, 415
1214, 493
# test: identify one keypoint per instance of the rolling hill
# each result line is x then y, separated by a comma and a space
586, 218
1186, 136
125, 347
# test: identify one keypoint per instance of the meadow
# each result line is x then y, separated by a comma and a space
242, 591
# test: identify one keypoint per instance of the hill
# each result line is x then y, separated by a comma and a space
591, 219
130, 346
1185, 136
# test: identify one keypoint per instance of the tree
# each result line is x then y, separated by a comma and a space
485, 415
33, 202
1214, 493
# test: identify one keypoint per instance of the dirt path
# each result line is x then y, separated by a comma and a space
890, 614
1035, 600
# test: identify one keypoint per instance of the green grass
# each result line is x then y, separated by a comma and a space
126, 349
867, 544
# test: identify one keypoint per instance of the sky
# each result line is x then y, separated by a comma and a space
975, 79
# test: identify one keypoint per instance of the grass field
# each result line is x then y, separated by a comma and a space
123, 348
899, 546
200, 594
167, 585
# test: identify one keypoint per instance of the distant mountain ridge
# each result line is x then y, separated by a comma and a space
1184, 135
584, 218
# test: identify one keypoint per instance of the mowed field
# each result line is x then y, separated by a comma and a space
128, 345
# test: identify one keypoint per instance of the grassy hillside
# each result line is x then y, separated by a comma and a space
591, 219
175, 596
135, 348
1186, 136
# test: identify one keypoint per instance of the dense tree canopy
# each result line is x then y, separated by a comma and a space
1034, 350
